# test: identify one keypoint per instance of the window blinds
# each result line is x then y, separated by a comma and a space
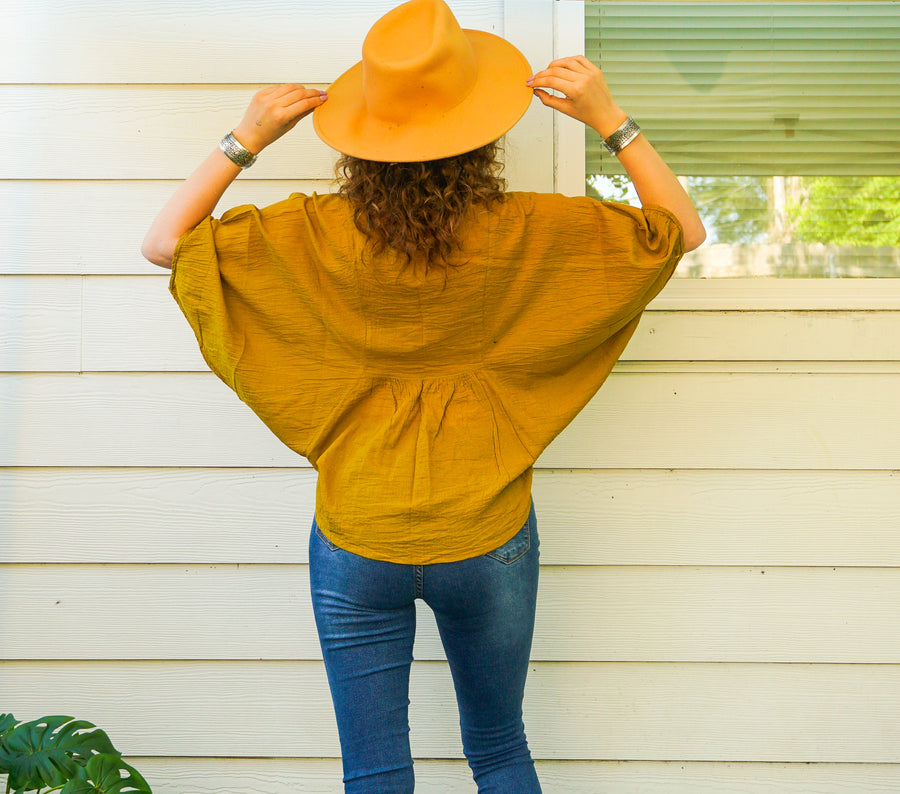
754, 88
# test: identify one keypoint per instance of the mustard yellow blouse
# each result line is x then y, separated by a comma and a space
421, 400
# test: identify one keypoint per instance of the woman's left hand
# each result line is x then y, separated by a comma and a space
585, 94
274, 111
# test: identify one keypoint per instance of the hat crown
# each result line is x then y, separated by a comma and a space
416, 62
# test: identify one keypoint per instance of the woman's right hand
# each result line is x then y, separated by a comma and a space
586, 96
275, 111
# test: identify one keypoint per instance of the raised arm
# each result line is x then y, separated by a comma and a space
587, 97
272, 112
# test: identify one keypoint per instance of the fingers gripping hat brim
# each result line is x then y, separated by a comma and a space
497, 100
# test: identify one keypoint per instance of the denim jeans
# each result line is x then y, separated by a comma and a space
366, 617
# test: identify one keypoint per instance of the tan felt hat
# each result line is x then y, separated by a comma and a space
425, 89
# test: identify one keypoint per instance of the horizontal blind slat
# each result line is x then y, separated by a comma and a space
769, 86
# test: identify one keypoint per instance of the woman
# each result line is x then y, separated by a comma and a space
421, 337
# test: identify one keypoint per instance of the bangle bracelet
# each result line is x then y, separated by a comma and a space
622, 136
235, 152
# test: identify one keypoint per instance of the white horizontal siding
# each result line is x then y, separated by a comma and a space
134, 307
657, 517
68, 227
46, 233
157, 132
673, 613
40, 324
719, 549
138, 132
272, 776
171, 41
644, 419
117, 323
575, 711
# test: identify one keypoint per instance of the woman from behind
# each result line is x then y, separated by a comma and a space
421, 336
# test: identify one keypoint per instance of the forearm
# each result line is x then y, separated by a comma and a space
657, 185
586, 97
194, 200
272, 112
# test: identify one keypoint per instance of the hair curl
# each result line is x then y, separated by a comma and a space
417, 208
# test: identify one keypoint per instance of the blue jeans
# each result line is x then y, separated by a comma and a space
366, 617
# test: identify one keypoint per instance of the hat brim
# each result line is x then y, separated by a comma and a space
498, 99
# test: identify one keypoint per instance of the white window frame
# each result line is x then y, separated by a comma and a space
759, 293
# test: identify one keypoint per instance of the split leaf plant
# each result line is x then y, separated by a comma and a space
62, 754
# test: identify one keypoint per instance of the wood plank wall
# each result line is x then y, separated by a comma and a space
720, 592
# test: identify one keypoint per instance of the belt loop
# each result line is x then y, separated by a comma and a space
420, 580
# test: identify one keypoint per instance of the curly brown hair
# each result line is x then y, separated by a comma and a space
417, 208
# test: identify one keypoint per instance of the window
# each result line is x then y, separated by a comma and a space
782, 119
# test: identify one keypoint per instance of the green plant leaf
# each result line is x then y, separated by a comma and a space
7, 722
49, 751
106, 774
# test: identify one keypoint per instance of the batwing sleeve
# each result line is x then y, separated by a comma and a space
270, 294
207, 275
587, 271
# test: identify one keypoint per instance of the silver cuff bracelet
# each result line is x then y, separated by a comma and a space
235, 152
622, 136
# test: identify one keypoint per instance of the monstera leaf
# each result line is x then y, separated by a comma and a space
7, 722
49, 752
106, 774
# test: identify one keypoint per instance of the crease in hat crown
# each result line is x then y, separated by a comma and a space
424, 89
416, 61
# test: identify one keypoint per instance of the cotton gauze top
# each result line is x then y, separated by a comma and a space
422, 400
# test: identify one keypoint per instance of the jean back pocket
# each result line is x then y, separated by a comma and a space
517, 546
321, 536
